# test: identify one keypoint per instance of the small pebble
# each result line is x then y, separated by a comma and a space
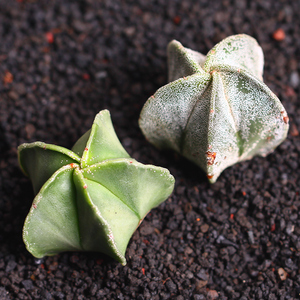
212, 294
282, 274
189, 274
171, 286
199, 297
28, 285
294, 79
204, 228
100, 75
202, 274
201, 284
290, 228
251, 237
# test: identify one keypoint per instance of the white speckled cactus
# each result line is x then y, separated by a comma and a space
216, 110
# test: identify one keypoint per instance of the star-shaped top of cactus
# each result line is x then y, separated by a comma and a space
91, 198
216, 110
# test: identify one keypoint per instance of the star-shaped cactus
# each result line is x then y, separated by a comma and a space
91, 198
216, 110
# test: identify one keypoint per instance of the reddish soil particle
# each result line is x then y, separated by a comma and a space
279, 35
49, 37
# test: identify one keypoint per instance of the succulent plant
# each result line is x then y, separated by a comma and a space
90, 198
216, 110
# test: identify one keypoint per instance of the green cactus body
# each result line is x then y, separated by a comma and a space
216, 110
91, 198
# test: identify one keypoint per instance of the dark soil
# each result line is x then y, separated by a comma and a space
62, 62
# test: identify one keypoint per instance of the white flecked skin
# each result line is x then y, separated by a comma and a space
216, 110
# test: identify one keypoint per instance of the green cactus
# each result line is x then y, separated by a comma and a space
216, 110
91, 198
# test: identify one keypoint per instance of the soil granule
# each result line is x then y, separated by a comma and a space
61, 62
